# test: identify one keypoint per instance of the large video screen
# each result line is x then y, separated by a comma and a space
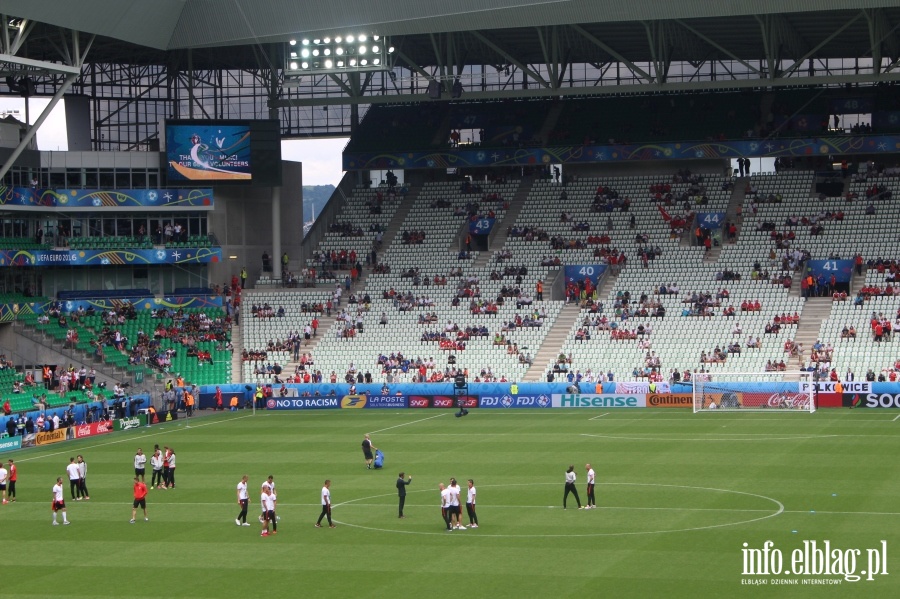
222, 152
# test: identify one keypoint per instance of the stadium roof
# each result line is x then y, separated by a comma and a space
181, 24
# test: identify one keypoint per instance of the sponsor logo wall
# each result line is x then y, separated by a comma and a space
388, 401
51, 437
124, 424
442, 401
590, 400
670, 400
515, 401
871, 400
10, 443
95, 428
353, 401
303, 403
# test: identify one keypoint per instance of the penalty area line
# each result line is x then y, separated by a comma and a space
600, 416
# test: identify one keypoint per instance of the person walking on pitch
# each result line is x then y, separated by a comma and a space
570, 487
326, 505
140, 499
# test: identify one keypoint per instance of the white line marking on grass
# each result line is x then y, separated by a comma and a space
895, 418
772, 514
600, 416
736, 437
132, 439
406, 423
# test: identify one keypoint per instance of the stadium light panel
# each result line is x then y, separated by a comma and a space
372, 56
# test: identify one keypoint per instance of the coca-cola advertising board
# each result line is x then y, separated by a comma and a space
95, 428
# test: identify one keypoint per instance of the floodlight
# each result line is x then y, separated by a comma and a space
316, 52
362, 49
317, 41
339, 51
362, 38
376, 61
349, 39
294, 66
352, 62
340, 63
293, 42
327, 40
327, 51
305, 42
376, 49
363, 62
328, 64
293, 55
376, 37
337, 40
304, 64
390, 50
304, 53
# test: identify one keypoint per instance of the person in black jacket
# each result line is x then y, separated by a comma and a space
401, 491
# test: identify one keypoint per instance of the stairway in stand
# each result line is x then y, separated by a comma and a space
815, 310
509, 219
553, 342
325, 328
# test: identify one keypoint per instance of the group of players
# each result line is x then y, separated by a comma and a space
451, 510
163, 463
267, 501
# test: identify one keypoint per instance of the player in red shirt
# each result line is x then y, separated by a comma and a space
140, 499
13, 477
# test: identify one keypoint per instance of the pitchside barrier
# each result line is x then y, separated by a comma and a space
546, 395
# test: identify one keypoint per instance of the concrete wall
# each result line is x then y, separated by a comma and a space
242, 222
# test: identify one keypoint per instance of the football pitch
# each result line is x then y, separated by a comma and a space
678, 496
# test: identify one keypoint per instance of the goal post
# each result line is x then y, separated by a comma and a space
753, 391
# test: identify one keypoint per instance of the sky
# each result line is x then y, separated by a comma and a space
321, 158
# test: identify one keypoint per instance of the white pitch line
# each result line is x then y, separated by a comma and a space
736, 437
407, 423
895, 418
157, 431
600, 416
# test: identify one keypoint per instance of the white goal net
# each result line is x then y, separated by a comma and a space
754, 391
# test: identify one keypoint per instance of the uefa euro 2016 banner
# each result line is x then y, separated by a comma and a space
580, 154
96, 199
110, 257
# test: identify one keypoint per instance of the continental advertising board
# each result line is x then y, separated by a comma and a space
51, 437
670, 400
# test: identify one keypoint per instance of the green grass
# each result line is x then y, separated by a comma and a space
678, 493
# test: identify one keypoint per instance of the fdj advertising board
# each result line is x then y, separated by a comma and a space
514, 401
